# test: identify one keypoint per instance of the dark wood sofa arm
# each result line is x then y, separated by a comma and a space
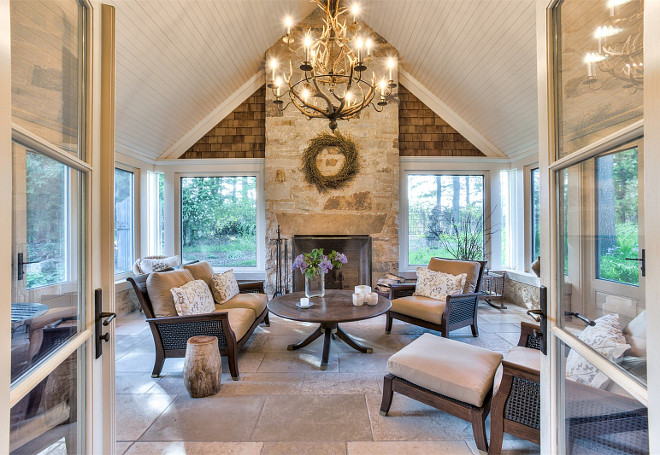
249, 287
401, 290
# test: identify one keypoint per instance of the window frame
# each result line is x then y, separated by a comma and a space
136, 217
531, 220
257, 272
404, 267
528, 236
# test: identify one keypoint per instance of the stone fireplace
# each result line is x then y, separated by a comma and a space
357, 250
366, 206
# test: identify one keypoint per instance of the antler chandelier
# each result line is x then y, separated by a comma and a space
331, 84
618, 55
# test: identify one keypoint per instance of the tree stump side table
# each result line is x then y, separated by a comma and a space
202, 367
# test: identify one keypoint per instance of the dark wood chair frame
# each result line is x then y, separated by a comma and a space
172, 333
474, 414
460, 309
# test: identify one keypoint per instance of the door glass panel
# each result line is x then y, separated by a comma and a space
46, 283
48, 419
599, 70
536, 213
124, 228
599, 197
219, 220
445, 217
599, 416
46, 61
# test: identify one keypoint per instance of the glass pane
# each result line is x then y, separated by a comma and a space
598, 70
536, 214
617, 229
219, 220
505, 219
124, 229
46, 284
445, 217
161, 211
46, 63
49, 419
599, 416
608, 315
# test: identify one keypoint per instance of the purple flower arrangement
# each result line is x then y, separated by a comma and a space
316, 262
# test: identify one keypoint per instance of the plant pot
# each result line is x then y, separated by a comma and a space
315, 286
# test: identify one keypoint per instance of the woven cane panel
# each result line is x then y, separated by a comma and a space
618, 433
251, 291
461, 309
397, 294
175, 336
524, 403
534, 341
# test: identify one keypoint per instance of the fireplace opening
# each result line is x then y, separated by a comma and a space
357, 249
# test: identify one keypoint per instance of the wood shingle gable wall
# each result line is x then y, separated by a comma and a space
423, 133
242, 134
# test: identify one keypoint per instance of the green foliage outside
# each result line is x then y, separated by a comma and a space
45, 228
613, 266
219, 220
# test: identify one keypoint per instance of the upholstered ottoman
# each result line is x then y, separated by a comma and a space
448, 375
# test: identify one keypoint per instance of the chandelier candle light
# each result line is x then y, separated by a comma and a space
331, 85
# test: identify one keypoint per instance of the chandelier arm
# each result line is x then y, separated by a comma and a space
320, 94
302, 105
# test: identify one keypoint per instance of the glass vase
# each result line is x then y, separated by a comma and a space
315, 286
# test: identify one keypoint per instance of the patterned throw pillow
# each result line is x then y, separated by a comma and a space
155, 264
606, 338
438, 285
193, 298
224, 286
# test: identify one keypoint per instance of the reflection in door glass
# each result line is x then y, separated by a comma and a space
598, 305
599, 416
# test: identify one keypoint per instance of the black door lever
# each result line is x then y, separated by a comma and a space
642, 261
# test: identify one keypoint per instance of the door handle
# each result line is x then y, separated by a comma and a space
102, 319
20, 272
642, 261
582, 318
539, 316
535, 314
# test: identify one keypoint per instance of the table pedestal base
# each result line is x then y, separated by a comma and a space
329, 330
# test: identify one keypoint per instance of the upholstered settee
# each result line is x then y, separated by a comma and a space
232, 322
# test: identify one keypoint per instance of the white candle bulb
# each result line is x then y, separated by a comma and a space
308, 41
305, 94
355, 10
359, 43
369, 44
273, 66
382, 84
390, 65
288, 22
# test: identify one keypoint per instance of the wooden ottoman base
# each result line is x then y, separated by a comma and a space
475, 415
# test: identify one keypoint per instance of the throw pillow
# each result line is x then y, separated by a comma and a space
202, 270
155, 264
438, 285
193, 298
224, 286
606, 338
158, 288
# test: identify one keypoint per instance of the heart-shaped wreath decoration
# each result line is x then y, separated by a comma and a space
345, 146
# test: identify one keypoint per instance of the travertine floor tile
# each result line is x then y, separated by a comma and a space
304, 448
122, 446
325, 382
409, 447
195, 448
135, 413
300, 361
313, 418
133, 383
357, 362
269, 384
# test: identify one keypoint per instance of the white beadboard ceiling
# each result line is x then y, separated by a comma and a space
181, 63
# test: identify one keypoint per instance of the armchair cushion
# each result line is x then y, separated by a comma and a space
202, 270
193, 297
456, 267
224, 286
240, 320
420, 307
451, 368
158, 287
255, 302
635, 333
438, 285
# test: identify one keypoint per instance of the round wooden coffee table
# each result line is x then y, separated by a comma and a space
329, 311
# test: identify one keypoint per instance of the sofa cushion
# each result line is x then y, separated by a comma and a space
255, 302
240, 320
456, 267
420, 307
158, 288
202, 270
193, 297
438, 285
451, 368
635, 333
224, 286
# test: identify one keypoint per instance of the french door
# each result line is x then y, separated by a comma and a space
56, 398
597, 163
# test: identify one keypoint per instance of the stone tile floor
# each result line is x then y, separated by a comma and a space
283, 403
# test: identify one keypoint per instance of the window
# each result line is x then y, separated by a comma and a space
617, 217
536, 213
445, 217
506, 259
124, 225
219, 220
156, 218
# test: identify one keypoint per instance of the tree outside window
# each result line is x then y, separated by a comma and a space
124, 228
536, 213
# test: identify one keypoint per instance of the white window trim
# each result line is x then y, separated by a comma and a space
488, 167
174, 170
137, 176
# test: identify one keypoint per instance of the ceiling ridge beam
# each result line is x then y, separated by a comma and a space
448, 115
216, 116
